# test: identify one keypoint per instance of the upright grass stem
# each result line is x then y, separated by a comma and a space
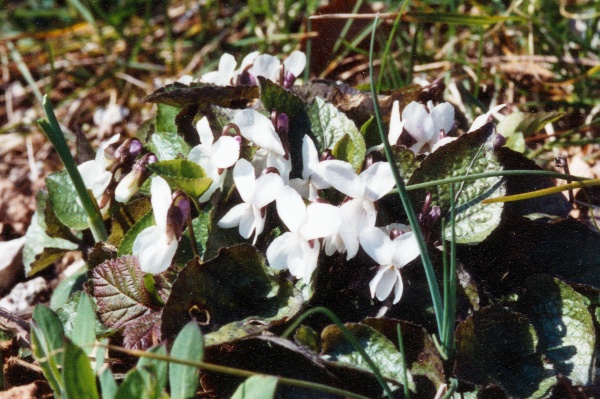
410, 212
56, 137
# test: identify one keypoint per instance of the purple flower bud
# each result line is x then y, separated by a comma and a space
130, 184
128, 151
283, 124
178, 214
246, 79
499, 141
288, 80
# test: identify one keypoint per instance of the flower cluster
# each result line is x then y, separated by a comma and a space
331, 208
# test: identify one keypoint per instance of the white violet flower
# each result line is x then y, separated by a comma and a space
359, 212
214, 157
268, 66
392, 255
485, 118
298, 249
155, 246
312, 179
259, 129
423, 124
256, 194
227, 74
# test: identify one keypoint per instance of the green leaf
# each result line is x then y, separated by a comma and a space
180, 95
307, 337
202, 229
275, 97
126, 245
470, 153
123, 301
165, 118
422, 356
329, 125
336, 348
108, 385
46, 338
83, 333
256, 387
78, 376
157, 368
498, 346
406, 160
167, 145
185, 175
187, 346
456, 18
64, 200
135, 387
126, 217
526, 123
227, 292
67, 287
34, 257
564, 326
54, 227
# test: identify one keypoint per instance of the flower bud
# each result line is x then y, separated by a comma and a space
128, 151
131, 183
288, 80
178, 215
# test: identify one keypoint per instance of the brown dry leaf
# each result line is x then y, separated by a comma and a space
36, 390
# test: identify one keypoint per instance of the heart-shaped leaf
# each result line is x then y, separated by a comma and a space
184, 175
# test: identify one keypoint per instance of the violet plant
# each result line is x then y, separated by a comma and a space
240, 233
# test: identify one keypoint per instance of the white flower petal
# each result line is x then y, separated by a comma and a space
443, 142
201, 154
259, 222
95, 177
321, 220
406, 249
234, 216
227, 64
295, 63
248, 60
204, 131
342, 177
153, 250
283, 166
395, 124
161, 201
267, 188
443, 119
225, 152
248, 223
291, 208
281, 248
257, 128
378, 180
377, 245
245, 182
383, 282
398, 287
266, 65
310, 156
303, 265
483, 119
301, 186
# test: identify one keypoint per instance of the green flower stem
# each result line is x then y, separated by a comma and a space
450, 392
348, 335
545, 191
56, 137
410, 212
450, 304
237, 372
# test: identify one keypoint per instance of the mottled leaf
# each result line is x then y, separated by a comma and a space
422, 356
469, 154
564, 326
336, 348
329, 125
165, 118
498, 346
230, 294
180, 95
